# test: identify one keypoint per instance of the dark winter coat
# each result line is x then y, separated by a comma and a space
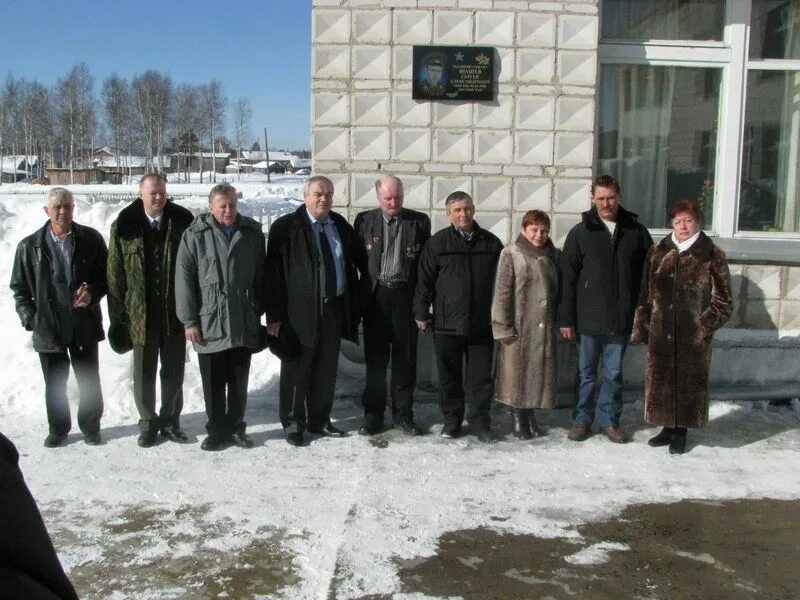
219, 285
601, 274
684, 299
524, 321
415, 228
293, 265
31, 282
29, 566
457, 278
127, 292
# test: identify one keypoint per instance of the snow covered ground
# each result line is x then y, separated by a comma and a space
342, 511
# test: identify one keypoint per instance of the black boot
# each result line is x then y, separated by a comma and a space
533, 426
522, 430
662, 439
677, 445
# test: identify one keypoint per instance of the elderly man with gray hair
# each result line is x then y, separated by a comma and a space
58, 279
393, 237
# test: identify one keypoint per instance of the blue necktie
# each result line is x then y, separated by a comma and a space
327, 259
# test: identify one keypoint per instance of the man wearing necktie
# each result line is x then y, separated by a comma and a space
393, 237
314, 265
141, 304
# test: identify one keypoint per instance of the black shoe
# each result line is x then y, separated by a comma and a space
663, 438
175, 434
370, 428
451, 430
146, 439
211, 444
241, 439
327, 430
294, 439
54, 440
484, 434
677, 445
522, 429
536, 431
408, 427
92, 439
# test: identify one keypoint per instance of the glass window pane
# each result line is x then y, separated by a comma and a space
775, 29
770, 188
663, 19
657, 134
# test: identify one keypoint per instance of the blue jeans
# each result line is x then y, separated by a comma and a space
591, 348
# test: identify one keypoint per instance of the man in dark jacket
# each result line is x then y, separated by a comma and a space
393, 237
601, 268
456, 275
315, 263
141, 304
58, 279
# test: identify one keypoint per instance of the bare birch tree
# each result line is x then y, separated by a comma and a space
76, 112
118, 109
242, 113
152, 94
213, 102
188, 124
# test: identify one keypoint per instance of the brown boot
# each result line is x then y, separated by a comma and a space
615, 434
578, 433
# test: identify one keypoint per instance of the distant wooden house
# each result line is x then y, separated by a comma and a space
18, 167
207, 161
129, 164
83, 176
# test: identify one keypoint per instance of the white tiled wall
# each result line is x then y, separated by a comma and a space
529, 148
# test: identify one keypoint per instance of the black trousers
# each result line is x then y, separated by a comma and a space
390, 331
225, 375
55, 368
171, 349
308, 383
451, 350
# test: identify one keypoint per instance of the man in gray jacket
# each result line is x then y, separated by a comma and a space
220, 299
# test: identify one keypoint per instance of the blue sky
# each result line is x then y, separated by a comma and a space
259, 49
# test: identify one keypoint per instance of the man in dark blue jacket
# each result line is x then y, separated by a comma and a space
456, 275
601, 269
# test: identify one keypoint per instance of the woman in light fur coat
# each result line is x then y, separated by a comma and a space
525, 325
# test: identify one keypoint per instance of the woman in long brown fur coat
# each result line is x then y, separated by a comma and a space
524, 322
685, 297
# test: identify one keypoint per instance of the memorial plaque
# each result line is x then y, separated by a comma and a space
453, 73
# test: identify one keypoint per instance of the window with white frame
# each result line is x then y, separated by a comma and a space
701, 99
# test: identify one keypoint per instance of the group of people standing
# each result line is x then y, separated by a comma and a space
172, 278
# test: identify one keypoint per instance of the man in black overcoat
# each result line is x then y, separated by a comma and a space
314, 265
